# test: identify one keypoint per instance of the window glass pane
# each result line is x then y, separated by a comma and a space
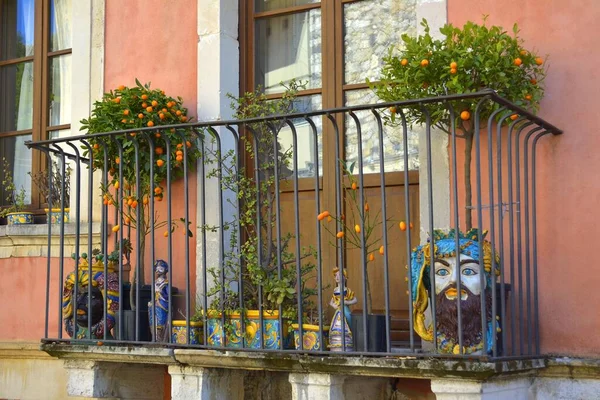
16, 28
288, 47
268, 5
16, 97
370, 29
393, 143
18, 157
59, 101
305, 138
60, 24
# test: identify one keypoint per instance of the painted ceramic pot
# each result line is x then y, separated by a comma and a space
270, 330
101, 287
57, 215
179, 332
311, 337
19, 218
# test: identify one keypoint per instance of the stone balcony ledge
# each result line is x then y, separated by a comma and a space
391, 366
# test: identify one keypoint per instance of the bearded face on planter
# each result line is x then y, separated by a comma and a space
449, 267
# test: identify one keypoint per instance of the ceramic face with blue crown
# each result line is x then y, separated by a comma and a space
452, 263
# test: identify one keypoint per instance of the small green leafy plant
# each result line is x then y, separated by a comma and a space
16, 199
464, 60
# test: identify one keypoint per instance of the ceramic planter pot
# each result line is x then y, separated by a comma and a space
57, 215
20, 218
233, 328
179, 332
311, 337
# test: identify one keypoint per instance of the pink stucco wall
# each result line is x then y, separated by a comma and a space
568, 190
156, 42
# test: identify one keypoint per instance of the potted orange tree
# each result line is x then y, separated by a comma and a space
464, 60
136, 107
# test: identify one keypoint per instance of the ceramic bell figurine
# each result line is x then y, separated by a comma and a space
158, 312
341, 321
447, 273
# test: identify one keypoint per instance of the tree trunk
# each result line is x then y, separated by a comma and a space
141, 227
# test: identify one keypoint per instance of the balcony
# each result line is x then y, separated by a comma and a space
239, 243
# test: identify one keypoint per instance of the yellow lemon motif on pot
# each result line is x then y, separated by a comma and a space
22, 220
251, 329
310, 340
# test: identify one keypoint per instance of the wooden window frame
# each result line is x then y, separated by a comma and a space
41, 129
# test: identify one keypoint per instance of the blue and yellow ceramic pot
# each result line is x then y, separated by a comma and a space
311, 337
233, 328
19, 218
57, 215
179, 330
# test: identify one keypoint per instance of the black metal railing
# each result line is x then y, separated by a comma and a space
266, 241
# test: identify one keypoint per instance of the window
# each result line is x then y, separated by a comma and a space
35, 83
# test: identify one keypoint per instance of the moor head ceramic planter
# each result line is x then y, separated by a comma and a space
447, 272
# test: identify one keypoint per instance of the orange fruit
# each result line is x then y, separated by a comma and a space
354, 186
130, 201
329, 219
528, 97
105, 202
96, 146
164, 110
158, 190
188, 144
179, 153
149, 109
533, 81
127, 220
381, 250
539, 61
453, 65
117, 100
159, 163
340, 235
323, 215
117, 185
144, 105
158, 150
161, 116
393, 110
157, 135
424, 63
166, 234
357, 228
116, 228
402, 225
150, 124
179, 158
465, 115
134, 204
145, 201
183, 118
366, 206
178, 113
121, 87
124, 121
144, 97
514, 116
371, 257
154, 103
140, 115
126, 112
404, 62
518, 61
179, 145
453, 71
117, 160
159, 198
523, 52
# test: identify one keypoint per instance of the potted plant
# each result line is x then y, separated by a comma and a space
311, 330
14, 213
465, 60
133, 108
179, 328
360, 221
50, 187
266, 266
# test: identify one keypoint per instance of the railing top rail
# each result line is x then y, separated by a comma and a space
491, 94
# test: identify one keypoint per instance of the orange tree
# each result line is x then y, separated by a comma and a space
134, 108
464, 60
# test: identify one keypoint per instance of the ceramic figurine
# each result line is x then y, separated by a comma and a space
446, 275
341, 317
101, 286
159, 312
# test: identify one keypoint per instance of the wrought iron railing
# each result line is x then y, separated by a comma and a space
266, 241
